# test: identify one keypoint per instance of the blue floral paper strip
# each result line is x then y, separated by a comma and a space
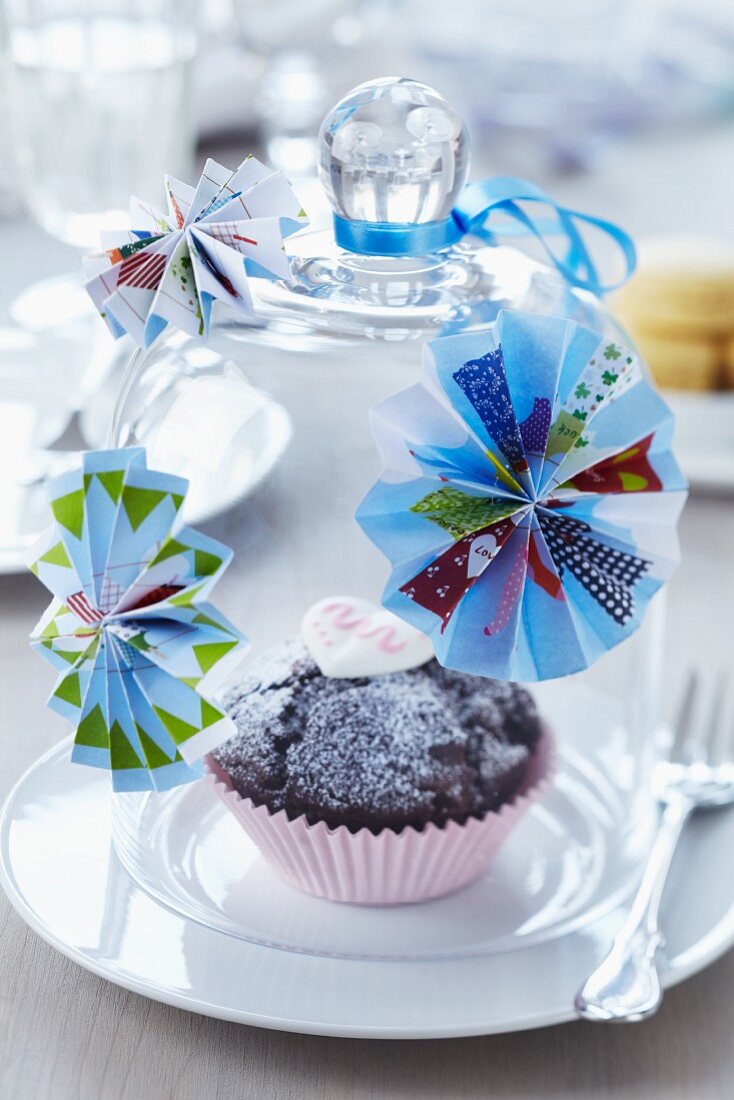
170, 267
131, 631
529, 500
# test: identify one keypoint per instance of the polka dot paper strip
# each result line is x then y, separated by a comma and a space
137, 645
529, 500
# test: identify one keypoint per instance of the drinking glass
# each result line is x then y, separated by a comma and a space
98, 106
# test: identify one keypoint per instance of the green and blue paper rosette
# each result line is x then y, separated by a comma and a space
529, 501
137, 644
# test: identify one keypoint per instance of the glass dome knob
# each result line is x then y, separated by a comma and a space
393, 150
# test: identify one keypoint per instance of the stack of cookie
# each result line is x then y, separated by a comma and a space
679, 310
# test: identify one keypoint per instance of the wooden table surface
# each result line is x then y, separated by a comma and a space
69, 1035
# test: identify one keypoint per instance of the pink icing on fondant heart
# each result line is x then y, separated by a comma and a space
349, 637
343, 617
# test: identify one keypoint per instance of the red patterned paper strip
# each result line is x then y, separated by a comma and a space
510, 594
628, 472
142, 270
441, 586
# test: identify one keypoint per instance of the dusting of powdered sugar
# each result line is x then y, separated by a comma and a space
399, 749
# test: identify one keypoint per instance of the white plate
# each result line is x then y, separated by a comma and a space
573, 858
60, 871
242, 434
704, 437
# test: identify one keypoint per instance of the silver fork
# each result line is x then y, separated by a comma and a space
698, 774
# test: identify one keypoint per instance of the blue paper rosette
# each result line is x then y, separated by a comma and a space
137, 644
529, 500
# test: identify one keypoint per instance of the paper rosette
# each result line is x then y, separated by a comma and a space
529, 501
170, 267
136, 642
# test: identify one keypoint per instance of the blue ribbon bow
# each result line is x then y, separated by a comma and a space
478, 202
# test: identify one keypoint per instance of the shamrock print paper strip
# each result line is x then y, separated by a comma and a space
529, 499
138, 646
214, 237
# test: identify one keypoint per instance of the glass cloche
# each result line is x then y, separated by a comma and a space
272, 418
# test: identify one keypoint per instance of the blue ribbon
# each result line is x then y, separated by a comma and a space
396, 238
478, 202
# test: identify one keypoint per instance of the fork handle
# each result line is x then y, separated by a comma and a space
626, 984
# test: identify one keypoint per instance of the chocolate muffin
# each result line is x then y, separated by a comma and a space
379, 752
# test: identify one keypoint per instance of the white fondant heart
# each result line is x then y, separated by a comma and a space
349, 637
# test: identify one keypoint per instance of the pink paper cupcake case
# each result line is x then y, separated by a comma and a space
388, 868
